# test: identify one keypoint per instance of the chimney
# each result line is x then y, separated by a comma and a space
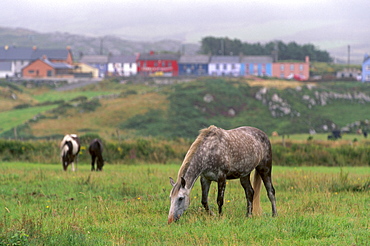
307, 60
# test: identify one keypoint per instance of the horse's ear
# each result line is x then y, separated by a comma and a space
172, 182
183, 182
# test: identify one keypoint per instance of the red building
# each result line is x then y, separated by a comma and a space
158, 64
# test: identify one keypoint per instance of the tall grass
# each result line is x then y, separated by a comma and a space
42, 205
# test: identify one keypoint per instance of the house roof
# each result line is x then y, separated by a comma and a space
5, 66
156, 57
57, 65
256, 59
122, 59
225, 59
11, 53
366, 58
94, 59
53, 54
200, 59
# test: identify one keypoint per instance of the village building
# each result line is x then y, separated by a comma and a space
98, 61
158, 65
366, 69
13, 59
44, 68
256, 66
83, 70
292, 70
193, 65
349, 73
224, 66
122, 65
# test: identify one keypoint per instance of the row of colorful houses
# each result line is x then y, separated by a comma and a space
31, 62
172, 65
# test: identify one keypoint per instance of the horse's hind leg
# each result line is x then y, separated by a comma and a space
221, 192
249, 192
265, 173
93, 157
206, 184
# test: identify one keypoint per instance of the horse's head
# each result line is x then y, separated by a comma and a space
100, 164
65, 156
179, 200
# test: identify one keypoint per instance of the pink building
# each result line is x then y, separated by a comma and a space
292, 70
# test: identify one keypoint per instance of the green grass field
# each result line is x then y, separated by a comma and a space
13, 118
128, 205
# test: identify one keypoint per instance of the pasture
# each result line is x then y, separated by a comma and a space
128, 205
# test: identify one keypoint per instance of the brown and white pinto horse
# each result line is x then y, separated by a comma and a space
70, 147
218, 155
96, 150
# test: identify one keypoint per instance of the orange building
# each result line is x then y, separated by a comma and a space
44, 68
292, 70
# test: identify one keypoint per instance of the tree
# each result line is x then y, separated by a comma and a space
290, 51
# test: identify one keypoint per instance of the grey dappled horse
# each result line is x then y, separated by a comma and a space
218, 155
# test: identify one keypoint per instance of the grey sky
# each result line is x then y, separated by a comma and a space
328, 24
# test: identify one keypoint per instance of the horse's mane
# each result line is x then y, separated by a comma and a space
194, 147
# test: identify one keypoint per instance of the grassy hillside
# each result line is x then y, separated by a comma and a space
117, 111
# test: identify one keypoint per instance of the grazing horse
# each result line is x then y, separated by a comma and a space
218, 155
70, 147
96, 150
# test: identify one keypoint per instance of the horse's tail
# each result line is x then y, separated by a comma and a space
257, 182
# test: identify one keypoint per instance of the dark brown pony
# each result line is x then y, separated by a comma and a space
70, 147
96, 151
218, 155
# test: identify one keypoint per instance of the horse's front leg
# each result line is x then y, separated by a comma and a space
93, 162
206, 184
249, 192
221, 192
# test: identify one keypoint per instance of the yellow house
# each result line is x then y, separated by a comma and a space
85, 70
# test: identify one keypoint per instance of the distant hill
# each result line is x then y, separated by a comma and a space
89, 45
129, 109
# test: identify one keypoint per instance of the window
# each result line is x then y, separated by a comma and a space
233, 66
301, 67
217, 66
282, 67
49, 73
291, 67
225, 66
367, 68
31, 71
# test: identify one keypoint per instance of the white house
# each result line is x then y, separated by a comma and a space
224, 66
123, 65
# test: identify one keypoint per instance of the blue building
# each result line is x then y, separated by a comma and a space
366, 69
256, 66
193, 65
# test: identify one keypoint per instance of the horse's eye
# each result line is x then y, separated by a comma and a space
181, 198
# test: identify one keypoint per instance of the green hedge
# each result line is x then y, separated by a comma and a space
163, 151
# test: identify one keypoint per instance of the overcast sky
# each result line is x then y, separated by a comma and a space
328, 24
